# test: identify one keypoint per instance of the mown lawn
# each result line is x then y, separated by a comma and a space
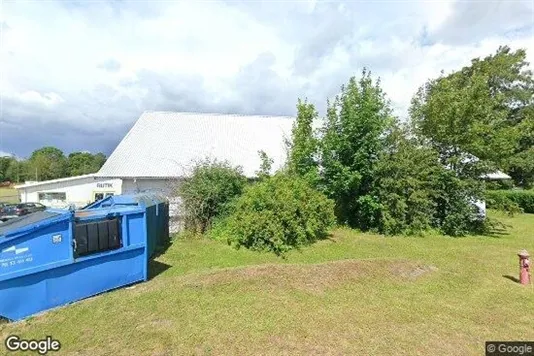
353, 294
9, 195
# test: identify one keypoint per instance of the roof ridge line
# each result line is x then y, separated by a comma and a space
213, 114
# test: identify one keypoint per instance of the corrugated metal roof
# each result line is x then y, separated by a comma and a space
166, 144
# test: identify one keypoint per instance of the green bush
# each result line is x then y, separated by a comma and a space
416, 193
208, 192
500, 185
511, 200
277, 214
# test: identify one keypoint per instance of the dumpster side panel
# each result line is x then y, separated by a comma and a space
166, 218
36, 249
135, 228
152, 229
163, 229
72, 282
46, 265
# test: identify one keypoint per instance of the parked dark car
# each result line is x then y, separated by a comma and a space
28, 208
7, 212
16, 210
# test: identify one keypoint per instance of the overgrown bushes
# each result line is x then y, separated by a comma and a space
511, 200
277, 214
362, 168
381, 176
208, 192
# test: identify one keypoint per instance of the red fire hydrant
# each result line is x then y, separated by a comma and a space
524, 267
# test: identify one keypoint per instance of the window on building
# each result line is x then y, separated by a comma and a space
49, 196
101, 195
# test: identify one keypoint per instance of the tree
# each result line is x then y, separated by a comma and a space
303, 147
85, 163
353, 136
98, 161
265, 165
416, 192
47, 163
405, 193
5, 163
17, 171
80, 163
485, 110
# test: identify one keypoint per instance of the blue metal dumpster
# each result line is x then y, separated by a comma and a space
157, 214
55, 257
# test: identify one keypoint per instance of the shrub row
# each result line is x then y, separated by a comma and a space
511, 199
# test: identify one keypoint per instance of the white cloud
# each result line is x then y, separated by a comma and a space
97, 65
46, 99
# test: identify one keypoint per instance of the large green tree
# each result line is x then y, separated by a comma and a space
5, 162
98, 161
17, 171
484, 110
47, 163
417, 192
380, 176
84, 163
353, 136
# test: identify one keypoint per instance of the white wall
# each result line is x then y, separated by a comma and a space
79, 192
164, 186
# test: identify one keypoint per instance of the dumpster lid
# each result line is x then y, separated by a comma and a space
27, 220
141, 199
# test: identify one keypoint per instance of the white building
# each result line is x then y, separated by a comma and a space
78, 191
162, 147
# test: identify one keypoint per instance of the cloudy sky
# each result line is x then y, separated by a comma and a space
77, 74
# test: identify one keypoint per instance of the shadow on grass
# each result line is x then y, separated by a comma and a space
155, 268
328, 237
512, 278
161, 249
496, 229
497, 233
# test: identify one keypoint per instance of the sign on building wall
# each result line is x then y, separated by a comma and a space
104, 185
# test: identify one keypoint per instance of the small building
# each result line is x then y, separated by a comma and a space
78, 191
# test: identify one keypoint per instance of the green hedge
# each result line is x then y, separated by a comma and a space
509, 199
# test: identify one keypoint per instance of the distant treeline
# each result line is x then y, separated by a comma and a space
49, 163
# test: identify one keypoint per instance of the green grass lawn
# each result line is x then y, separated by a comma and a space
9, 195
353, 294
